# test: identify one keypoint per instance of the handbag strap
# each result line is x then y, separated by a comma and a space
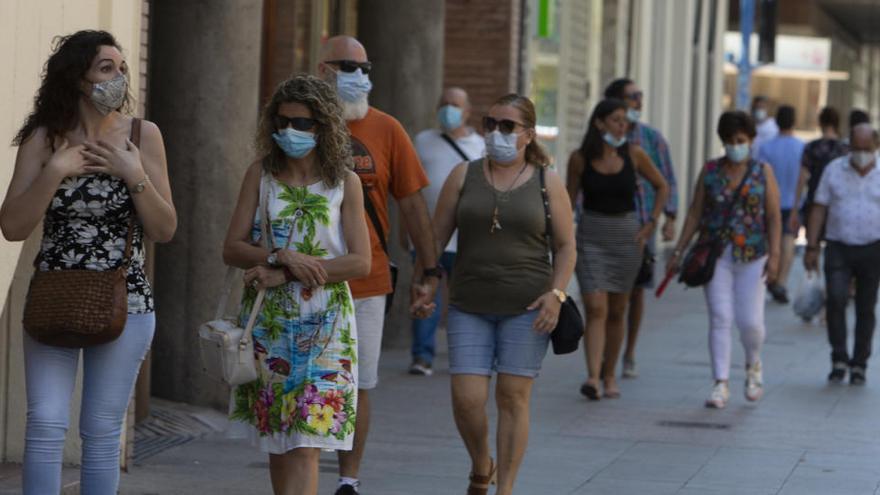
374, 219
728, 210
455, 146
548, 227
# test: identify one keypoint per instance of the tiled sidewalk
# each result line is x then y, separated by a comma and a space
805, 437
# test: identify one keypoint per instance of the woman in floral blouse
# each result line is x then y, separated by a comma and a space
750, 227
305, 396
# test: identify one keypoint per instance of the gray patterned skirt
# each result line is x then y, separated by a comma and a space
608, 256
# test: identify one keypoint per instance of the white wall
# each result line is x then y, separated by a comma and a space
27, 28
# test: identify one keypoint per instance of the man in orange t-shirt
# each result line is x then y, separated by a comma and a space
386, 161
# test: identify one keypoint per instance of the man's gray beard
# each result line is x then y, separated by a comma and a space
356, 110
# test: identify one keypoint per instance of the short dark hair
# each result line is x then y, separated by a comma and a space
734, 121
785, 117
857, 117
617, 88
829, 117
758, 99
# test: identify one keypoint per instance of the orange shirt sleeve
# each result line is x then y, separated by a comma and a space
407, 175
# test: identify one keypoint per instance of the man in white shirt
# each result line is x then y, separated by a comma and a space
764, 123
848, 197
440, 150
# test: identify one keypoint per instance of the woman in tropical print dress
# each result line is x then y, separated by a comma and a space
305, 396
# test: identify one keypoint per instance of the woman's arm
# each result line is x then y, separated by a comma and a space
135, 165
38, 173
447, 202
564, 253
238, 249
774, 223
691, 224
573, 177
355, 264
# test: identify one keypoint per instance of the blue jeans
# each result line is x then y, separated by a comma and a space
109, 373
481, 343
423, 331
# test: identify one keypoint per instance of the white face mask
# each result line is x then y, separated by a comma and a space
760, 114
501, 147
862, 159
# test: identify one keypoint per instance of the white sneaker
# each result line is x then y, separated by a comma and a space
629, 369
754, 382
719, 396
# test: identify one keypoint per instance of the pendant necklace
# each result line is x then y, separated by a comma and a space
496, 224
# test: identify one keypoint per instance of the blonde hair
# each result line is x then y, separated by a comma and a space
334, 144
535, 153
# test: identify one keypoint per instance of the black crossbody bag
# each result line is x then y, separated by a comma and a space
570, 325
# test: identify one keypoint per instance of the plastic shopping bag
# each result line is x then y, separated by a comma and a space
810, 298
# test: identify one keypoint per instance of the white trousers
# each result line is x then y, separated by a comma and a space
735, 295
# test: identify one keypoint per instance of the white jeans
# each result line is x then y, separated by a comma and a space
735, 294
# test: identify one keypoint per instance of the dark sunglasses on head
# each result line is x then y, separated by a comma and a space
506, 126
351, 65
298, 123
634, 96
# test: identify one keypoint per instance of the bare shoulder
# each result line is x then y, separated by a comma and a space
352, 179
639, 155
576, 158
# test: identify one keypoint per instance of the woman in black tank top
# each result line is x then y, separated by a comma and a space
609, 239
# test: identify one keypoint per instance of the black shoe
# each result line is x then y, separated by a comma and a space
779, 294
838, 373
590, 391
857, 375
346, 490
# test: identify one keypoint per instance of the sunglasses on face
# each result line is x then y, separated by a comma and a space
351, 65
298, 123
634, 96
505, 126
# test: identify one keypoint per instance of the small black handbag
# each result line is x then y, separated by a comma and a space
570, 326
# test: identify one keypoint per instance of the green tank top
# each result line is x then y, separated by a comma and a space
503, 272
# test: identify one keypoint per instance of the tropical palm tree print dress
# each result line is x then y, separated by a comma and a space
304, 339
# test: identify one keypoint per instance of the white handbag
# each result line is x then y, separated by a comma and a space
227, 350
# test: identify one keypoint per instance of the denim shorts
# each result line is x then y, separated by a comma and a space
482, 343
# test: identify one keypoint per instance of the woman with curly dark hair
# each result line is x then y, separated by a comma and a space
303, 191
97, 178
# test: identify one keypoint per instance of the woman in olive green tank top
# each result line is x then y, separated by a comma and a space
504, 294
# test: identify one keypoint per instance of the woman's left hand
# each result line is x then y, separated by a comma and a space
263, 277
645, 233
548, 306
118, 162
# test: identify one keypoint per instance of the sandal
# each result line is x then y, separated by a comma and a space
590, 391
611, 392
480, 483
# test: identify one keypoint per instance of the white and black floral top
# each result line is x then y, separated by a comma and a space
85, 228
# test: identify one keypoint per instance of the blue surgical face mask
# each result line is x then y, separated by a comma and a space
633, 115
353, 86
760, 114
449, 117
736, 153
613, 141
501, 147
294, 143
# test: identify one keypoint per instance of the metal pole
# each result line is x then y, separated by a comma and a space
744, 78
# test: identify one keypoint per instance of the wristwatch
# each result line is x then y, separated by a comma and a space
561, 295
272, 259
140, 186
433, 272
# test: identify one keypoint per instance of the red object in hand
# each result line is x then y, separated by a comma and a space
663, 284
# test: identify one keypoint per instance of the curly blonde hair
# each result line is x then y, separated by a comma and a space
334, 144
